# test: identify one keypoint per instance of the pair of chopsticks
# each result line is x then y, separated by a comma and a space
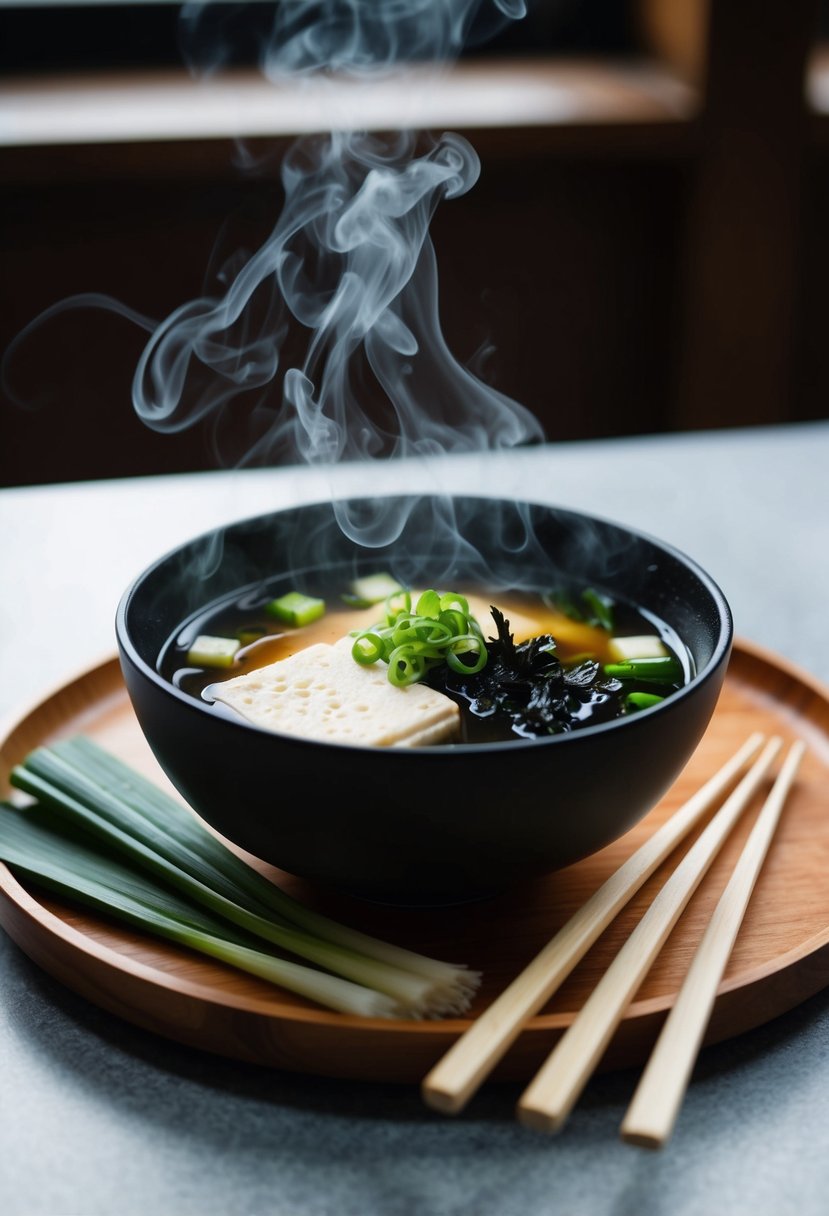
548, 1100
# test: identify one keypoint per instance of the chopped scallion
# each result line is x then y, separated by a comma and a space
642, 700
296, 609
371, 589
663, 669
368, 648
248, 636
209, 651
428, 604
600, 606
439, 630
592, 607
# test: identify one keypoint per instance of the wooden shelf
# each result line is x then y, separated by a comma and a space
172, 106
817, 96
817, 80
673, 227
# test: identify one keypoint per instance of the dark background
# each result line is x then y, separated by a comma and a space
626, 276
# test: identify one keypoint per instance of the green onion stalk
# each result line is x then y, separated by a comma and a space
658, 669
98, 828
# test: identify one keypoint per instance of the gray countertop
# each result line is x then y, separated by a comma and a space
98, 1117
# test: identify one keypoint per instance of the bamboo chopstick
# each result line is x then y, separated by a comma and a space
459, 1073
653, 1110
547, 1101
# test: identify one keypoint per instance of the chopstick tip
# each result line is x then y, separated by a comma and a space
445, 1101
547, 1121
642, 1138
797, 751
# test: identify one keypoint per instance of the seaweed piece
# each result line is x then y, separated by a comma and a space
528, 686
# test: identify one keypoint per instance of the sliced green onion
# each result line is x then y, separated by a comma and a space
397, 602
452, 602
208, 651
93, 797
642, 700
468, 645
592, 607
664, 670
371, 589
601, 607
250, 634
294, 608
455, 621
368, 648
440, 630
428, 604
405, 667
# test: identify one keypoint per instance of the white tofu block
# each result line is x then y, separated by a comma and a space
643, 646
322, 693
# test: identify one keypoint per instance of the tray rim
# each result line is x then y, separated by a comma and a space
15, 900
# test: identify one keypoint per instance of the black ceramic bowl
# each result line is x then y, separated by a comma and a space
436, 824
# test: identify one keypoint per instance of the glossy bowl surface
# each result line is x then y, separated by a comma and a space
439, 824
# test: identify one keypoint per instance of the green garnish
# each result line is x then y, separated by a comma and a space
592, 607
368, 648
294, 608
600, 608
665, 670
429, 604
642, 700
439, 630
105, 836
250, 634
208, 651
371, 589
36, 842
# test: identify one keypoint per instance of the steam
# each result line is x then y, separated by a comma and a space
353, 38
349, 263
347, 276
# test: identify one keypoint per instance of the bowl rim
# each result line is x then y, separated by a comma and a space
722, 646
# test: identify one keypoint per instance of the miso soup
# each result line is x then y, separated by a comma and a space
554, 662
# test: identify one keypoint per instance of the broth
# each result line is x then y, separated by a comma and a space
264, 640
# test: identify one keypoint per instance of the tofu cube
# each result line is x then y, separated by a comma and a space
644, 646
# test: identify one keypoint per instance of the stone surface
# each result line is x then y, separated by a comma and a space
99, 1118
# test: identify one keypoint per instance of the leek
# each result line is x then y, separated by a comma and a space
34, 842
98, 798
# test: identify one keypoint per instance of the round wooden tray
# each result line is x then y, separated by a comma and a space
781, 956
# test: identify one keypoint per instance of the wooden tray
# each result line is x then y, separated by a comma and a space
781, 956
